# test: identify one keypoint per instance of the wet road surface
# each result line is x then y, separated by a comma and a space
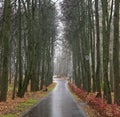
59, 103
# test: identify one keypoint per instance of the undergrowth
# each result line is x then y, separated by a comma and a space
103, 108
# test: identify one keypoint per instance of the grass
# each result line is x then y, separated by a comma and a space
8, 115
23, 104
26, 104
20, 108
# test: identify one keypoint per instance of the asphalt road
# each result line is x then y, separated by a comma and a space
59, 103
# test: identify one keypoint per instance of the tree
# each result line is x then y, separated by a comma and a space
116, 53
28, 28
5, 37
98, 69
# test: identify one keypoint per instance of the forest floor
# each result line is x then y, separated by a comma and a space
92, 105
87, 109
14, 108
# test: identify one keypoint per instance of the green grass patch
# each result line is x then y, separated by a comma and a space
26, 104
8, 115
51, 88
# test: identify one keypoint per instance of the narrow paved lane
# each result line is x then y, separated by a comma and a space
59, 103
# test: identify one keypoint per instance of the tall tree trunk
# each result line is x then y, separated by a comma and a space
106, 41
19, 49
98, 70
116, 50
5, 37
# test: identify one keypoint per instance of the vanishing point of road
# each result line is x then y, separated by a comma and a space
59, 103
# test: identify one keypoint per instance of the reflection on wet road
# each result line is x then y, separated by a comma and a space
59, 103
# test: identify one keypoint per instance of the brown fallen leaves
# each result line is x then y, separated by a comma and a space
10, 105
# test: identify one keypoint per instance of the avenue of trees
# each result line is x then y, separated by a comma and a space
92, 32
91, 45
63, 62
27, 36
